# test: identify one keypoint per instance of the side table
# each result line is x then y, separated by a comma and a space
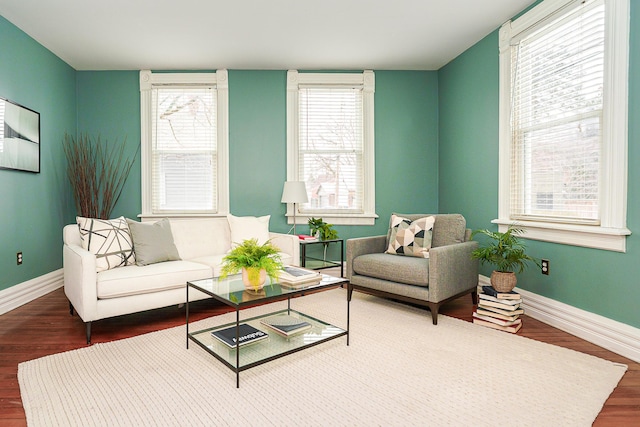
314, 263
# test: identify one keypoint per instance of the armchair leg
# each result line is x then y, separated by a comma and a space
349, 291
88, 327
474, 297
70, 308
433, 308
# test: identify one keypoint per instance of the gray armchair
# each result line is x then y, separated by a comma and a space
448, 273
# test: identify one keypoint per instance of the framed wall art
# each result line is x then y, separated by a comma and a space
19, 137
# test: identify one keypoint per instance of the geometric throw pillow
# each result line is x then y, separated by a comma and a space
411, 238
153, 241
248, 227
109, 240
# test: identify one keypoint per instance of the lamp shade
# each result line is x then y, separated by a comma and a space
294, 192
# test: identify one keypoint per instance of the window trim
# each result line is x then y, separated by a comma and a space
612, 231
366, 79
220, 79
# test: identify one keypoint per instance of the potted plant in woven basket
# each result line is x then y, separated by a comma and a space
507, 253
255, 261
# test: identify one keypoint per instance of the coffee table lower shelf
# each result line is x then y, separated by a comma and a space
275, 346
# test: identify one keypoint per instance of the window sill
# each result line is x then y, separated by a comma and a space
609, 239
335, 219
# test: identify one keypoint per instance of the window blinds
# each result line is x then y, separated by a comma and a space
184, 149
331, 148
556, 118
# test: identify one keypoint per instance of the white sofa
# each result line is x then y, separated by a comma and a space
201, 245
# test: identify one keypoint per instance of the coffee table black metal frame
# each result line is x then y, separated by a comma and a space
230, 291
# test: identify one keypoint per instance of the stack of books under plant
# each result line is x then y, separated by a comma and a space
499, 306
499, 310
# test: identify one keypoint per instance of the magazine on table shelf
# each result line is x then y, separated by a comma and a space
248, 334
286, 325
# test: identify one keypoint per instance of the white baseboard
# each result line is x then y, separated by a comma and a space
612, 335
25, 292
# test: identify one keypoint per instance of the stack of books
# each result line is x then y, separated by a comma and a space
499, 310
298, 277
286, 325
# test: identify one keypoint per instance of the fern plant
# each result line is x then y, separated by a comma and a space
250, 255
505, 250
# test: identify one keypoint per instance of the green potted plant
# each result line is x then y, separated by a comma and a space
255, 261
323, 230
507, 253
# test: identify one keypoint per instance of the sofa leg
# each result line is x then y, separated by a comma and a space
474, 297
88, 326
434, 312
70, 308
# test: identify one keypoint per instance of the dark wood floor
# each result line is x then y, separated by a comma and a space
44, 327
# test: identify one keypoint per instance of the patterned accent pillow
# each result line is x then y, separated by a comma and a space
411, 238
109, 240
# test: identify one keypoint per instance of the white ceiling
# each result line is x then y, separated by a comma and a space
258, 34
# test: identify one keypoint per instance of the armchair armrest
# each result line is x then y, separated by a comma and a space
361, 246
452, 270
287, 243
80, 280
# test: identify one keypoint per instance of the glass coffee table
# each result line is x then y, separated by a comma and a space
231, 291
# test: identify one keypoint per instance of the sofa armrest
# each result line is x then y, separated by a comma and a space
80, 280
287, 243
361, 246
452, 270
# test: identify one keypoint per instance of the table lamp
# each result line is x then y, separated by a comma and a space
294, 192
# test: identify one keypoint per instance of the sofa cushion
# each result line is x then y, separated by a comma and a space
153, 242
134, 280
248, 227
213, 261
401, 269
109, 240
411, 238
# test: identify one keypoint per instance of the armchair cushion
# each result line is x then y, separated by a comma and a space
412, 238
408, 270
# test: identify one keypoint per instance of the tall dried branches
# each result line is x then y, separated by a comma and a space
97, 172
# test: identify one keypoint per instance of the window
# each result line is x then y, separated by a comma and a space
330, 144
184, 143
563, 123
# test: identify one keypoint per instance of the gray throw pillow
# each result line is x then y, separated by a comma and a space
153, 242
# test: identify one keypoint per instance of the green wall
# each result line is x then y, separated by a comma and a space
406, 140
33, 207
597, 281
109, 107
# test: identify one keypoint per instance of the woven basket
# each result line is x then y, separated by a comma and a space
503, 281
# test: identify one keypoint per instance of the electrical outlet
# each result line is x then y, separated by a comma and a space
545, 266
19, 258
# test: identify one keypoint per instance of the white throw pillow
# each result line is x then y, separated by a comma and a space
248, 227
109, 240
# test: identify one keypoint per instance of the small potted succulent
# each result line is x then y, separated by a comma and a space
507, 253
255, 261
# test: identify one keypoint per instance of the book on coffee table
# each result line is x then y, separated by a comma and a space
294, 277
248, 334
285, 324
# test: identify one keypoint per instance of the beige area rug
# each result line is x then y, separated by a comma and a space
399, 370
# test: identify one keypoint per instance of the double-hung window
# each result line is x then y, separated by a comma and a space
184, 143
563, 126
330, 144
